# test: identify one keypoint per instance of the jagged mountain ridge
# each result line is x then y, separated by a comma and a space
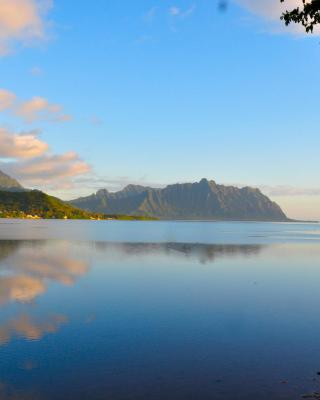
204, 200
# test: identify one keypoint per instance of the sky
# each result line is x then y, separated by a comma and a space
104, 93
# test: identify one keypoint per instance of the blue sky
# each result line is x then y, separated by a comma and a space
158, 92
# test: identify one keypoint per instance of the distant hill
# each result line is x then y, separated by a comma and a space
15, 201
204, 200
36, 204
18, 202
8, 183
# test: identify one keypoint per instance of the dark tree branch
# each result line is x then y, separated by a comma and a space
308, 15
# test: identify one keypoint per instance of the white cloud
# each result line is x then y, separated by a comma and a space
188, 12
271, 10
35, 109
49, 170
28, 159
39, 108
175, 11
22, 21
22, 146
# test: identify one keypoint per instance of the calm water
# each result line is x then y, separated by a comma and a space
159, 310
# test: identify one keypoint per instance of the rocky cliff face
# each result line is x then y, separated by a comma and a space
204, 200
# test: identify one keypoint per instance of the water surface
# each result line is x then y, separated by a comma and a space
159, 310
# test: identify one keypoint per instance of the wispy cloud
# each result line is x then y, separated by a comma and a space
22, 21
95, 120
35, 109
175, 11
39, 108
150, 15
36, 71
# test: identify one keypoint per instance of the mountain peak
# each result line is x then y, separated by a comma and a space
134, 188
206, 182
102, 192
8, 183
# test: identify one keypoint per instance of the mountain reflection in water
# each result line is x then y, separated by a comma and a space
135, 313
201, 252
54, 293
27, 268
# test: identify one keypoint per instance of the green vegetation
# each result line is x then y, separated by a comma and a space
35, 204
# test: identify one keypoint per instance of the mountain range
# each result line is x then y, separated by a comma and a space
204, 200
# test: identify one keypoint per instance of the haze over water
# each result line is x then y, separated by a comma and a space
159, 310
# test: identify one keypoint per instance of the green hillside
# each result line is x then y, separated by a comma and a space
36, 204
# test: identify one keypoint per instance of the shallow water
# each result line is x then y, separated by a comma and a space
159, 310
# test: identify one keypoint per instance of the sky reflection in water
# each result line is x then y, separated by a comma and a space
102, 320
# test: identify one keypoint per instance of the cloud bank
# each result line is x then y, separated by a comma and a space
28, 159
22, 21
49, 170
